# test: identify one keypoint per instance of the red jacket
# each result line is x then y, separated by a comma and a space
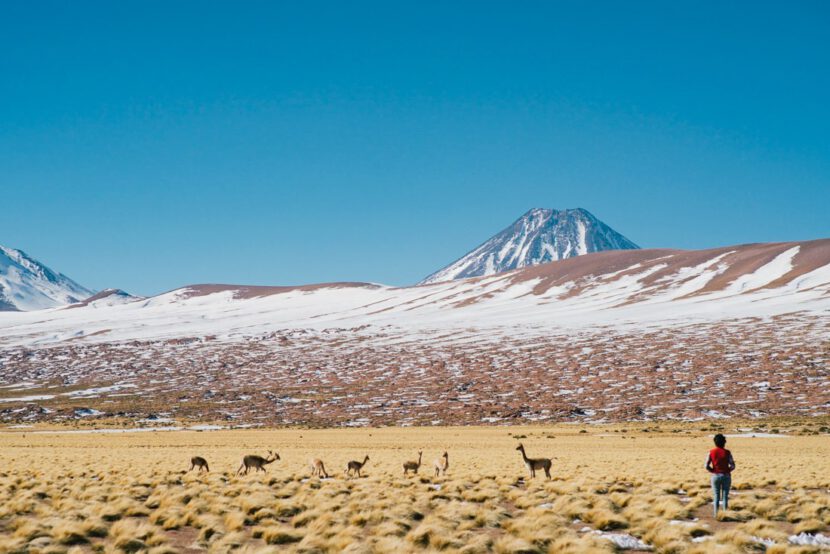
720, 461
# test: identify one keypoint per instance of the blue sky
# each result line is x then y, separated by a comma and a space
149, 145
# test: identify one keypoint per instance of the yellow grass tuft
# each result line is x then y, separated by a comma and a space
278, 534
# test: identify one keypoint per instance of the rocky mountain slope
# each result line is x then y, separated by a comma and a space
27, 284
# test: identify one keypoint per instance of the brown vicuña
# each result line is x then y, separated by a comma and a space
317, 468
355, 466
198, 461
442, 464
535, 463
412, 465
258, 462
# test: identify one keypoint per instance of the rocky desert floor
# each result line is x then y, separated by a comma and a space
373, 376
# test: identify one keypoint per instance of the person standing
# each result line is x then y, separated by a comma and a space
721, 465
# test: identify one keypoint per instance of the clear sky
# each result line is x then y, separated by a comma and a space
148, 145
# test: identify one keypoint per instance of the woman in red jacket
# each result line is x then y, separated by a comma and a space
720, 464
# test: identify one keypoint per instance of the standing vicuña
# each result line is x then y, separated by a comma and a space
412, 465
442, 464
198, 461
535, 463
258, 462
317, 468
355, 466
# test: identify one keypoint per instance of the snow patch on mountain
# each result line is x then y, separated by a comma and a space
26, 284
541, 235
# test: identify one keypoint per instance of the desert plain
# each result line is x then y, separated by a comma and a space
636, 487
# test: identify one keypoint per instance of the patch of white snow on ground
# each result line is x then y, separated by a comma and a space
758, 436
624, 541
87, 412
98, 390
683, 522
806, 539
129, 430
18, 386
761, 540
29, 398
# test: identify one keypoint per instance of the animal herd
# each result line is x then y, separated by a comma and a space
354, 467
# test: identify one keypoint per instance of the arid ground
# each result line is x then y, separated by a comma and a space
640, 486
740, 369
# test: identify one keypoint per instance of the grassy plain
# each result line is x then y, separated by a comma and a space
129, 492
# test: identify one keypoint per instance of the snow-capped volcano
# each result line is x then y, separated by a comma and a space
541, 235
26, 284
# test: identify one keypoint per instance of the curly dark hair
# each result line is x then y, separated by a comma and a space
720, 440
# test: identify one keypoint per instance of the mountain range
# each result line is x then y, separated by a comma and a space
539, 236
620, 288
738, 331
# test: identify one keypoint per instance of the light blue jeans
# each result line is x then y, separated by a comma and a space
720, 490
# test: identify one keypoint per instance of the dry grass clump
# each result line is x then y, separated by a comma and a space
764, 529
278, 534
670, 538
134, 536
229, 542
236, 521
811, 526
432, 533
734, 515
605, 519
575, 544
94, 497
514, 545
69, 533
